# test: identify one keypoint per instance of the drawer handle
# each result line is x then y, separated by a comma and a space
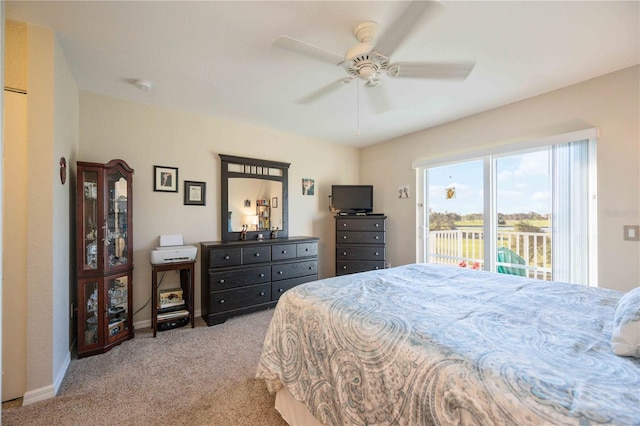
261, 275
377, 225
279, 272
280, 290
344, 224
226, 257
221, 281
284, 252
376, 267
377, 254
306, 249
377, 238
344, 237
257, 254
344, 267
262, 293
311, 268
344, 253
221, 301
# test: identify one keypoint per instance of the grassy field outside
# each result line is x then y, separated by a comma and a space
472, 224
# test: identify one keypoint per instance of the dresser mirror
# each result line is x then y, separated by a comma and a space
254, 194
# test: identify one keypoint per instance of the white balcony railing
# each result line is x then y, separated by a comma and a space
454, 246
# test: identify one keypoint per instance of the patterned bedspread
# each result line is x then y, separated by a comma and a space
439, 345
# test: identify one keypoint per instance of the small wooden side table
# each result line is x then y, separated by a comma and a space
186, 270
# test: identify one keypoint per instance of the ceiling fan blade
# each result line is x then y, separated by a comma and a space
458, 71
396, 33
286, 42
378, 97
324, 90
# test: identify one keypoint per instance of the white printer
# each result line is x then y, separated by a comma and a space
172, 249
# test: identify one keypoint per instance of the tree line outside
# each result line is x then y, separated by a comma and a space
530, 222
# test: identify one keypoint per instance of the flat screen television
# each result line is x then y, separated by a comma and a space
352, 198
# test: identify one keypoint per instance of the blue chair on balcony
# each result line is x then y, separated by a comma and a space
506, 255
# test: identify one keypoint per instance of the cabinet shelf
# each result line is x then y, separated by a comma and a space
181, 307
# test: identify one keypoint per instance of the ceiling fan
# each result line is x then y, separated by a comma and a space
370, 59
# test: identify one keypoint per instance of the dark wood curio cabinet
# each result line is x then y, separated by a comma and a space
104, 255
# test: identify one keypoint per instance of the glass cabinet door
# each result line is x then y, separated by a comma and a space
117, 306
90, 321
116, 223
90, 220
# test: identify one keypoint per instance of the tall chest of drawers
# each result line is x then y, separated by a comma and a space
239, 277
360, 243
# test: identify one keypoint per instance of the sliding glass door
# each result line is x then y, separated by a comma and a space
523, 218
528, 212
456, 219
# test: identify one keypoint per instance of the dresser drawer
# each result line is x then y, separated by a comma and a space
360, 224
306, 249
279, 287
239, 277
285, 271
225, 257
346, 237
344, 267
256, 254
347, 252
227, 300
283, 251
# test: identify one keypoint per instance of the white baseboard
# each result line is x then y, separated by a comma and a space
49, 391
63, 371
37, 395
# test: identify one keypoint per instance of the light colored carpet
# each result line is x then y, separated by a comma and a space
185, 376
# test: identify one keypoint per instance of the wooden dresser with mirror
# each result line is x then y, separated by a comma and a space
257, 260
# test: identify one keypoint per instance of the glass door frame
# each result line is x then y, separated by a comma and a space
489, 180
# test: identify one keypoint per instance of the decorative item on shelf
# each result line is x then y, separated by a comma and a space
171, 298
260, 237
274, 233
243, 233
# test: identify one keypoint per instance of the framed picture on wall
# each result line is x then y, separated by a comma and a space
165, 179
194, 193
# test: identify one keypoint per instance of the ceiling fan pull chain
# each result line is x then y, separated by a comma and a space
357, 108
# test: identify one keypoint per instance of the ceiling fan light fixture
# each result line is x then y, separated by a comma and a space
367, 72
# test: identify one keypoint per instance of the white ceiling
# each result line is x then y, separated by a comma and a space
217, 58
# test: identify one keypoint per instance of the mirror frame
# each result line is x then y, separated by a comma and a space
225, 175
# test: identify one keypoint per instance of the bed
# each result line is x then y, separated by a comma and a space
439, 345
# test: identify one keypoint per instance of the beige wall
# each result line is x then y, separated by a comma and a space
40, 209
14, 222
145, 136
610, 103
65, 144
52, 132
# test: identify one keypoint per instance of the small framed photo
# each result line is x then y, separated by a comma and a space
194, 193
308, 186
274, 202
165, 179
